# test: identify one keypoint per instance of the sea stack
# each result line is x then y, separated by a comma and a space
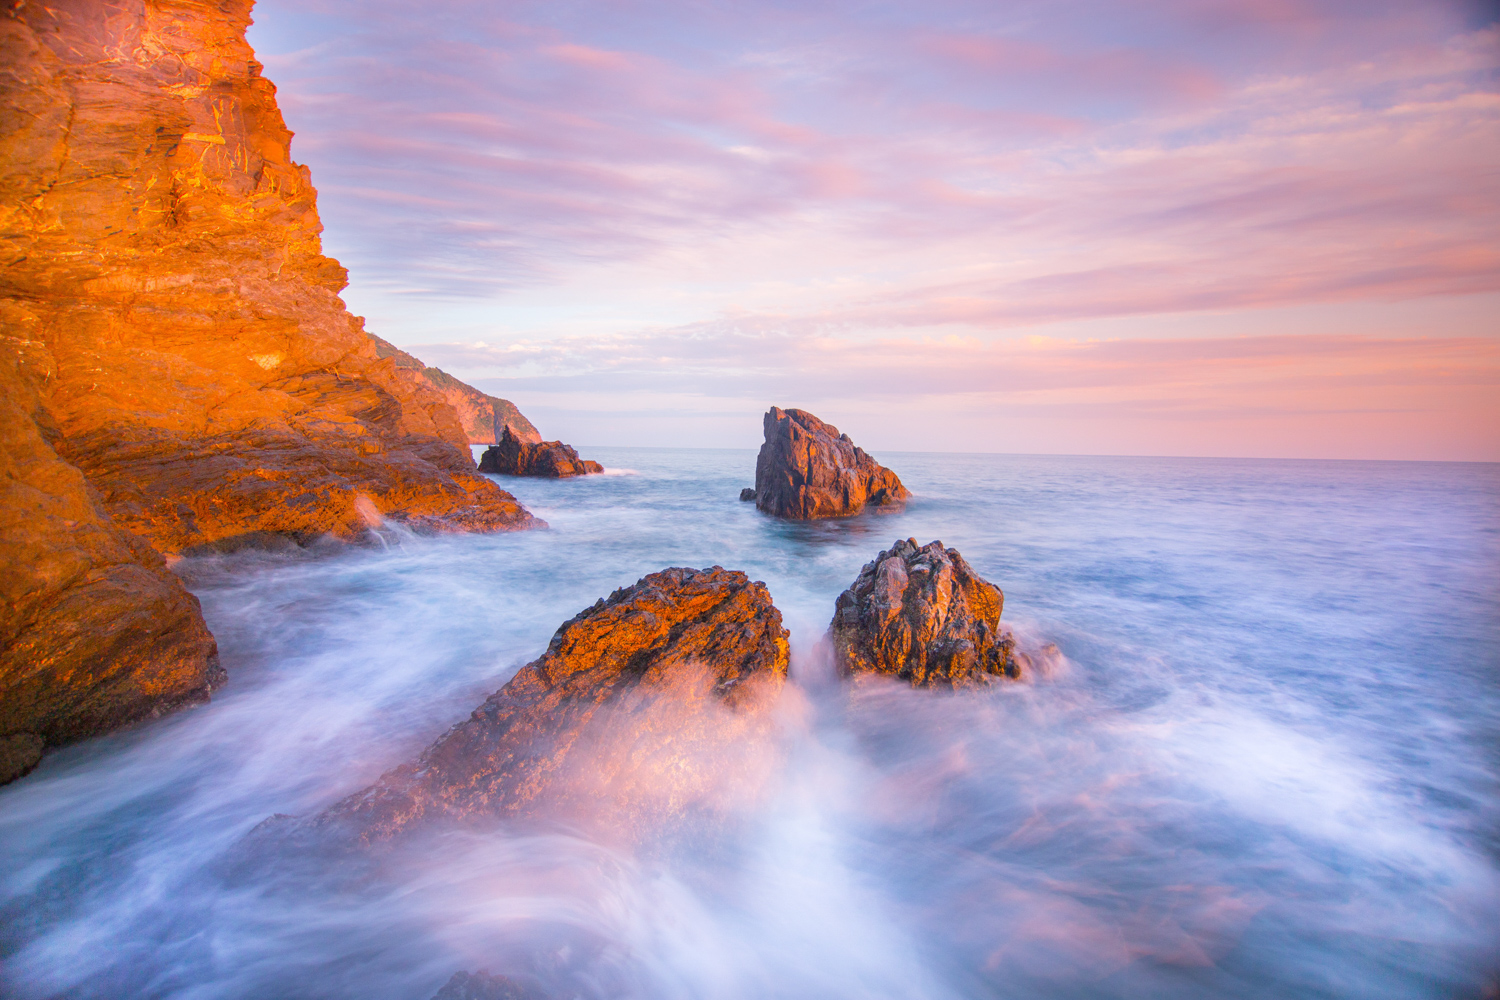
807, 470
547, 459
922, 614
679, 637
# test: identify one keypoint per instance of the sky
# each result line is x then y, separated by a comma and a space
1248, 228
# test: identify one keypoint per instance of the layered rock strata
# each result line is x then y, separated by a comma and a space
922, 614
541, 736
549, 459
94, 631
807, 469
178, 368
483, 417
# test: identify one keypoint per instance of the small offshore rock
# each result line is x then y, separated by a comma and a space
547, 459
747, 494
807, 469
921, 613
713, 625
482, 985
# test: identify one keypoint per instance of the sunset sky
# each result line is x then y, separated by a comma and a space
1162, 227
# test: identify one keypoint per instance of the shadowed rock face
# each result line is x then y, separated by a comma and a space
922, 614
177, 368
673, 636
549, 459
807, 469
483, 417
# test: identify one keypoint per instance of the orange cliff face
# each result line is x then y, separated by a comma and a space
176, 363
484, 418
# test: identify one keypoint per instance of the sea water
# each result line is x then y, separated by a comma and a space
1266, 767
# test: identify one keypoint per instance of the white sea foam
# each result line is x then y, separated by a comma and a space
1244, 783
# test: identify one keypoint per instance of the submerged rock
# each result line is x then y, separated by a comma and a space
482, 985
807, 469
921, 613
675, 635
549, 459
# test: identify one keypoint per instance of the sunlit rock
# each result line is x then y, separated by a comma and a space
807, 469
168, 299
548, 459
177, 368
922, 614
645, 704
484, 418
94, 631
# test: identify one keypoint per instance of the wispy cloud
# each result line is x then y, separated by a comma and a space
882, 174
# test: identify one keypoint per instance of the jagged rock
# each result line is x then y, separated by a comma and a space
807, 469
550, 459
94, 631
182, 369
747, 494
921, 613
167, 295
483, 417
482, 985
676, 635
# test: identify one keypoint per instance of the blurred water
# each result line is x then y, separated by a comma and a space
1269, 768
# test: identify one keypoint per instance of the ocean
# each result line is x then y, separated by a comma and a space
1268, 764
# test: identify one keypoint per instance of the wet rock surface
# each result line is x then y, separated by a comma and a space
922, 614
675, 636
547, 459
807, 469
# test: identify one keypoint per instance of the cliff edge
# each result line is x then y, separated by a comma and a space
178, 369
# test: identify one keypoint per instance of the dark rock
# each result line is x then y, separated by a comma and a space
19, 753
550, 459
807, 469
654, 639
483, 986
747, 494
922, 614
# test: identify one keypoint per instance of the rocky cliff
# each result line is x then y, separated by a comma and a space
178, 368
806, 469
483, 417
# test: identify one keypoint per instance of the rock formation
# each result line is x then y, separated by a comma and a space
542, 730
482, 985
550, 459
922, 614
177, 365
807, 469
483, 417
